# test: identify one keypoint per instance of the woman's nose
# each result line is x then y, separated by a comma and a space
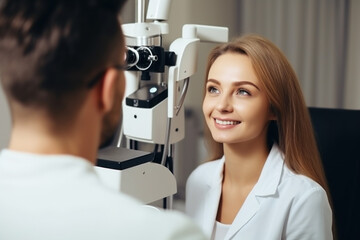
224, 104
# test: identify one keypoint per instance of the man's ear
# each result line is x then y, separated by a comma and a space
107, 89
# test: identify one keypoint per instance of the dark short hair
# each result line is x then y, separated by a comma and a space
51, 49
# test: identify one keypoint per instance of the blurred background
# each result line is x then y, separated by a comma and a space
319, 37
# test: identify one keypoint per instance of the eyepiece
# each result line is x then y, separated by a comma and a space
132, 57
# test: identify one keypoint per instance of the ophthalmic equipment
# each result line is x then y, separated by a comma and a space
153, 111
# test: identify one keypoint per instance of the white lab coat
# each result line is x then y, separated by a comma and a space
60, 197
282, 205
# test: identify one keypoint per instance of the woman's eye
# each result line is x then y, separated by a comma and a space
212, 90
243, 92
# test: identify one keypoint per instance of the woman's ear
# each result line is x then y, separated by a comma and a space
107, 89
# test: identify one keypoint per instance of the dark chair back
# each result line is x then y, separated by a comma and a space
337, 133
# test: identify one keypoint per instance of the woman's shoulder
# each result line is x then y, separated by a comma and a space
308, 206
300, 185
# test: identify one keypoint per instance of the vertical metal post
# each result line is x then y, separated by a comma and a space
140, 11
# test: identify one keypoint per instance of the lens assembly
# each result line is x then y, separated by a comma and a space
142, 57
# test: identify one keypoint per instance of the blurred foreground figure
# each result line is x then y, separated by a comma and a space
62, 72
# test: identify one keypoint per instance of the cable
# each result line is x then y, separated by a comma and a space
183, 94
167, 140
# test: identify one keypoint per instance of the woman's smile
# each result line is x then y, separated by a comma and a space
225, 124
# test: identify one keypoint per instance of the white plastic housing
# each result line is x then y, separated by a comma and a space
205, 33
145, 30
141, 29
132, 82
147, 182
149, 124
187, 52
158, 9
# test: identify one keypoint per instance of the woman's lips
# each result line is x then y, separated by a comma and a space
225, 124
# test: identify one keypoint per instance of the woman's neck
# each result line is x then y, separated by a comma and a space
244, 162
243, 165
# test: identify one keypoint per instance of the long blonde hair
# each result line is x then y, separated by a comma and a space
292, 130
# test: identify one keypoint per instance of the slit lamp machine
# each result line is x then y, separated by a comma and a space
153, 111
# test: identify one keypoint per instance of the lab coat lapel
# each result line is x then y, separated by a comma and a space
247, 211
266, 186
211, 207
212, 199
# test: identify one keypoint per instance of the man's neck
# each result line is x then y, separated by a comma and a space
41, 138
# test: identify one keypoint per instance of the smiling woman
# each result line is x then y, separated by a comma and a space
235, 108
266, 173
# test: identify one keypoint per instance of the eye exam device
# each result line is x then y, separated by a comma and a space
153, 112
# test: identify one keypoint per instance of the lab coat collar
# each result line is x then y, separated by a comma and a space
269, 177
218, 174
213, 197
266, 186
271, 173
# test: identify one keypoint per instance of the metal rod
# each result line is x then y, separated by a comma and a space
140, 11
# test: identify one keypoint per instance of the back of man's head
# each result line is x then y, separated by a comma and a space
51, 51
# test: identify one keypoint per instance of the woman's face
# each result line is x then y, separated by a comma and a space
235, 106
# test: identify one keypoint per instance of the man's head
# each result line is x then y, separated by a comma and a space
50, 51
53, 52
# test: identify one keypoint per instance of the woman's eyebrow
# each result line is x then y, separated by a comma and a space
245, 83
238, 83
213, 81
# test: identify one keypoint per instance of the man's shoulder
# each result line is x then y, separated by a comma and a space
137, 221
174, 225
142, 221
75, 196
